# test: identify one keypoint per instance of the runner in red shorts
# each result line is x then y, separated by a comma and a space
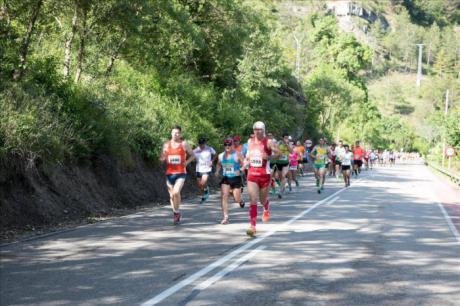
260, 151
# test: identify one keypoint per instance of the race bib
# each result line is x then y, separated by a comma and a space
204, 166
229, 170
292, 167
174, 159
357, 157
283, 157
256, 161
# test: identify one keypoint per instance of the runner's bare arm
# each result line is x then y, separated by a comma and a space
313, 151
218, 166
163, 152
274, 148
189, 150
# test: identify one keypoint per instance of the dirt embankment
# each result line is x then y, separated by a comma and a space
37, 199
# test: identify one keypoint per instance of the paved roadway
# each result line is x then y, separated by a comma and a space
384, 241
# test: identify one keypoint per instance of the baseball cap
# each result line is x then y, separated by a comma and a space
201, 140
259, 125
228, 141
236, 138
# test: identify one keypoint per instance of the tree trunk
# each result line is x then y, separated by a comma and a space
68, 43
114, 56
18, 73
81, 48
428, 54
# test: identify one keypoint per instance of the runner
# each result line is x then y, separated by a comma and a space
373, 157
260, 151
308, 144
204, 156
346, 157
366, 158
299, 148
239, 148
332, 160
320, 154
293, 168
339, 150
174, 154
230, 161
358, 154
282, 163
391, 158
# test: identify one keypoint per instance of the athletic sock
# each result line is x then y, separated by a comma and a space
267, 205
253, 213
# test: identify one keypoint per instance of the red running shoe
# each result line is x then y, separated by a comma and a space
176, 218
266, 216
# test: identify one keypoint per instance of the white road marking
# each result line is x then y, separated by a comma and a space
164, 294
452, 227
228, 269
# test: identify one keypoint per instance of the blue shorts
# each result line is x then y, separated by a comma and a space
200, 174
172, 178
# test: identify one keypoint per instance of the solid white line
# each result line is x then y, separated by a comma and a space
164, 294
332, 201
228, 269
452, 227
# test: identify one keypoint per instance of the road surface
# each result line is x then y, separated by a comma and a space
390, 239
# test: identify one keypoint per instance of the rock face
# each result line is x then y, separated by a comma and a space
34, 197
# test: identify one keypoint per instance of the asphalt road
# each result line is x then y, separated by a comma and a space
390, 239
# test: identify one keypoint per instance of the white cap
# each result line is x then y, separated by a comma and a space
259, 125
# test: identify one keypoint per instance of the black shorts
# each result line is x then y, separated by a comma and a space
281, 166
346, 167
358, 162
234, 182
338, 162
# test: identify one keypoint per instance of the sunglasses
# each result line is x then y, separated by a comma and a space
227, 144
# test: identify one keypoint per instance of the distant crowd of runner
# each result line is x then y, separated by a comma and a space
264, 164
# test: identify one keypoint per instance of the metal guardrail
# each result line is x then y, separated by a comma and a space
453, 176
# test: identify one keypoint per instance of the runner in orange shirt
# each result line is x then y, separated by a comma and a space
358, 154
174, 154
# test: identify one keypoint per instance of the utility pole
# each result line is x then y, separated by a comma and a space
419, 68
444, 136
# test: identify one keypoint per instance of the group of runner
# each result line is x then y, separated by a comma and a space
262, 163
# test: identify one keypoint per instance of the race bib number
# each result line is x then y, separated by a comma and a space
283, 157
256, 162
204, 166
229, 170
292, 167
357, 156
174, 159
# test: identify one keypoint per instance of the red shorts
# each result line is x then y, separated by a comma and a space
262, 180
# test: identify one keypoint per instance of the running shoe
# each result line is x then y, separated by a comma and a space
242, 204
224, 220
251, 231
206, 194
297, 183
176, 218
319, 190
280, 196
266, 216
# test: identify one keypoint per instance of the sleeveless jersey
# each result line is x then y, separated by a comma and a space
284, 151
230, 166
321, 155
175, 159
257, 165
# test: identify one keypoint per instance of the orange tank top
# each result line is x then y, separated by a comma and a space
175, 159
